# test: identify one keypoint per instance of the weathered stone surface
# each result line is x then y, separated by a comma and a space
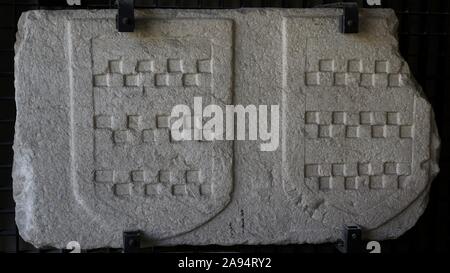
93, 155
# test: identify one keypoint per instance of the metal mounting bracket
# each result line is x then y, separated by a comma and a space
349, 20
352, 242
131, 241
125, 21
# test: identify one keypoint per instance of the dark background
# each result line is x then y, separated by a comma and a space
424, 43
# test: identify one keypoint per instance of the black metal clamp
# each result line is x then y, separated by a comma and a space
131, 241
352, 240
349, 20
125, 21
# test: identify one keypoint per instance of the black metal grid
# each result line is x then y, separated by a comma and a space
424, 42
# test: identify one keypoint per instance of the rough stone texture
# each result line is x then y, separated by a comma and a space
93, 156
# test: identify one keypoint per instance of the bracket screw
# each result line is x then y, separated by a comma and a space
126, 20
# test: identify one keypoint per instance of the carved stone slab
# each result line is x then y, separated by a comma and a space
94, 155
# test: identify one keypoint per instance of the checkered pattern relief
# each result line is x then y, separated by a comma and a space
149, 73
359, 176
168, 183
356, 125
378, 74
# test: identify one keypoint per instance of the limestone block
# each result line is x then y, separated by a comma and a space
93, 154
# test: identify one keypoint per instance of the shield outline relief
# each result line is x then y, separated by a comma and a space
79, 53
321, 206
